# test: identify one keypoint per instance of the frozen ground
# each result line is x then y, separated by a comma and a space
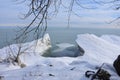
98, 50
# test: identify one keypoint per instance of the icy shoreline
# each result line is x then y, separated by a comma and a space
98, 50
29, 51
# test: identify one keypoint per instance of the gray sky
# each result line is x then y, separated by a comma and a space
10, 13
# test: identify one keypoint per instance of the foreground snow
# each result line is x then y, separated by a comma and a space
98, 50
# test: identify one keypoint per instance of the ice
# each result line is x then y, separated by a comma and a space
66, 49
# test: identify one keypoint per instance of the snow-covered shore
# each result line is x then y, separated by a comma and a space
98, 50
30, 51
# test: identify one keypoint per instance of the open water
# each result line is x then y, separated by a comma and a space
57, 34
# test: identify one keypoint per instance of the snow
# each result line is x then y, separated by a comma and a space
112, 39
31, 50
98, 50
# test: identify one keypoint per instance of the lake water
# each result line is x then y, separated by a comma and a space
58, 35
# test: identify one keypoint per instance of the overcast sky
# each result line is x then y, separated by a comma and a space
99, 17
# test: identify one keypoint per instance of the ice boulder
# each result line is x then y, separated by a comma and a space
43, 45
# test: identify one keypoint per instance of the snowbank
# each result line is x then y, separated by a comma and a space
29, 51
98, 50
